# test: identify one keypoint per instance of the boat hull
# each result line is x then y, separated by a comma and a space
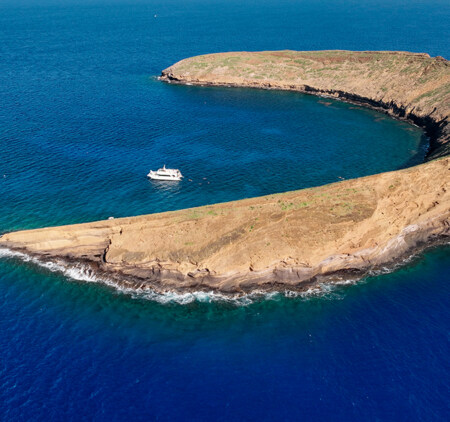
165, 178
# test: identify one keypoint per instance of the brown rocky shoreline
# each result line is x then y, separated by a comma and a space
293, 240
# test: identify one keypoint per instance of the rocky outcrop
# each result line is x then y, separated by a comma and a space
294, 239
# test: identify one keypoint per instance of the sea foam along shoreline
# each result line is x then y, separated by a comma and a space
325, 288
84, 273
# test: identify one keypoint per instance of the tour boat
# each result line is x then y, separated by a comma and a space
165, 174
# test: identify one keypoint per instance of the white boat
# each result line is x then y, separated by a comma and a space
165, 174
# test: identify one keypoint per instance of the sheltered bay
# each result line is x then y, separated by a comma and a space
294, 239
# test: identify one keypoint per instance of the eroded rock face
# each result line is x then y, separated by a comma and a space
294, 239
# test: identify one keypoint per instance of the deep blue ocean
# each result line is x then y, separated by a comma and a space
83, 118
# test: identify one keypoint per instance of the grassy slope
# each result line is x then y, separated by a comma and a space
415, 80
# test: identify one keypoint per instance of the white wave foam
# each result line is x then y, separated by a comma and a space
82, 272
6, 253
77, 271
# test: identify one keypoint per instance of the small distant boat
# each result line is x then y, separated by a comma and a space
165, 174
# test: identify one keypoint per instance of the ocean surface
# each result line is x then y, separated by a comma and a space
83, 118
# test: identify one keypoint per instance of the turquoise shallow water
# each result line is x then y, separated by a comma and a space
82, 120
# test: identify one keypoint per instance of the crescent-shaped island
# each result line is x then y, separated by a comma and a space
293, 240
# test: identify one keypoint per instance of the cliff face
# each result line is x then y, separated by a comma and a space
406, 85
289, 240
